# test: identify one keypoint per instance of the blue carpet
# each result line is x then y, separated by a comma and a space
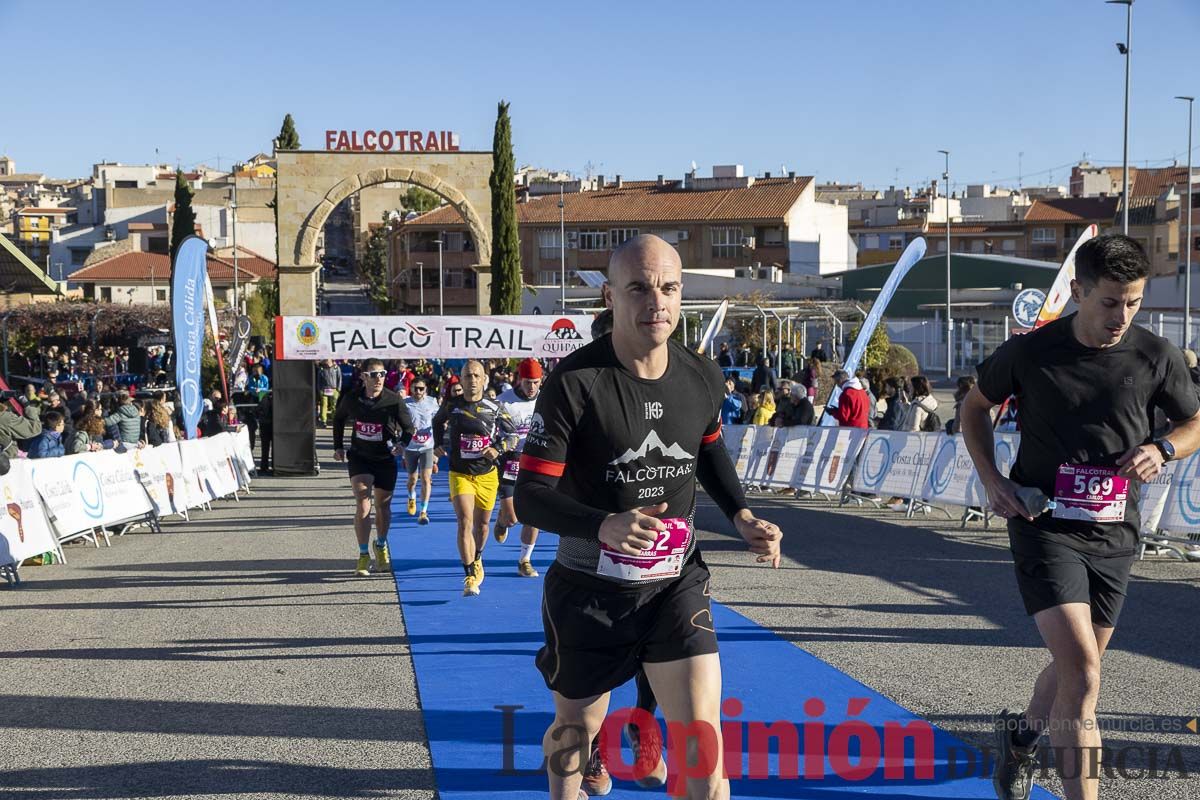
476, 679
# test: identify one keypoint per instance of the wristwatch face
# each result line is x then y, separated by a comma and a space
1168, 449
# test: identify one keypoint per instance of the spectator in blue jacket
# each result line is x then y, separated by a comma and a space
733, 407
48, 443
258, 384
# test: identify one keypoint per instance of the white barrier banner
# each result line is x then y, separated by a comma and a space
760, 455
501, 336
221, 457
951, 479
1181, 509
828, 457
24, 529
88, 490
244, 452
197, 473
1155, 496
745, 446
161, 472
788, 447
893, 463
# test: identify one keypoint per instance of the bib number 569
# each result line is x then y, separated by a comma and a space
1092, 486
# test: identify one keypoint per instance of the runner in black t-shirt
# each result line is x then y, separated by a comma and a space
1087, 385
622, 429
382, 427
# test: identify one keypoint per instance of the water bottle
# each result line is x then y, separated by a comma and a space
1035, 501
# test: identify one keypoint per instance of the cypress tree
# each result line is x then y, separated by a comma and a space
185, 219
506, 246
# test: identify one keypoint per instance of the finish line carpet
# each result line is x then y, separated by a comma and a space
485, 706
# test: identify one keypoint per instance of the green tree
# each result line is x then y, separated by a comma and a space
375, 266
288, 139
506, 246
877, 348
261, 307
420, 200
184, 220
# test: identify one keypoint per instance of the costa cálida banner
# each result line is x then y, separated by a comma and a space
512, 336
189, 275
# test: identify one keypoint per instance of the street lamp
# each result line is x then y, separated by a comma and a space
441, 280
421, 279
1124, 50
1187, 258
237, 309
949, 321
562, 247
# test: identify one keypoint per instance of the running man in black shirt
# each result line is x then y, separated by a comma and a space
479, 433
382, 427
622, 429
1087, 385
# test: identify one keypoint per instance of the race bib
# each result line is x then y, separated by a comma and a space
473, 446
663, 560
511, 468
422, 437
1090, 494
328, 392
368, 431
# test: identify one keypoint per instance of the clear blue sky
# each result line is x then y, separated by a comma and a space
846, 90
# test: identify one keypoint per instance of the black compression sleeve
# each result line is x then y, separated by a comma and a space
540, 504
716, 473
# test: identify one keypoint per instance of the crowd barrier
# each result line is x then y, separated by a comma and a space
931, 471
55, 500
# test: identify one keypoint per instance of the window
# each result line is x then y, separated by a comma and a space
549, 242
977, 246
78, 256
772, 237
869, 241
619, 236
1158, 244
452, 241
896, 243
941, 245
593, 240
549, 277
454, 279
726, 242
35, 237
106, 294
160, 295
1008, 245
1196, 243
1043, 236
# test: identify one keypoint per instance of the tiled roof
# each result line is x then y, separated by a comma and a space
32, 210
646, 201
1072, 209
141, 266
939, 228
147, 226
23, 177
1147, 186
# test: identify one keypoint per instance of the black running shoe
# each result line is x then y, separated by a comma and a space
1013, 778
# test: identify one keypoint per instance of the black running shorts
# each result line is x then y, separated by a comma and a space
598, 632
1050, 574
383, 471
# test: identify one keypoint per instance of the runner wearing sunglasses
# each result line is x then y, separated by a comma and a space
382, 427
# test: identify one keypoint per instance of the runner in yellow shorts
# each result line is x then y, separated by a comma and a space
484, 487
479, 432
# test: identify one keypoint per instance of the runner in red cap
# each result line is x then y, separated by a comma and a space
518, 402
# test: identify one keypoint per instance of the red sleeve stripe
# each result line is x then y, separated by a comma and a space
540, 465
712, 437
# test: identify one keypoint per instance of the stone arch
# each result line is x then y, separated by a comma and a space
306, 242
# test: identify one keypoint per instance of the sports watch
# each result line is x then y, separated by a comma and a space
1166, 448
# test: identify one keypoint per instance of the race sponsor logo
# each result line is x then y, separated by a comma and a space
307, 333
630, 466
562, 339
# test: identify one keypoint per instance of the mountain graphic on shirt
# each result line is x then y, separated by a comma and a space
653, 442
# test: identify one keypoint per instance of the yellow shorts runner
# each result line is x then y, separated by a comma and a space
484, 487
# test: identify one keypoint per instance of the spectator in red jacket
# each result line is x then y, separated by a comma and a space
853, 409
